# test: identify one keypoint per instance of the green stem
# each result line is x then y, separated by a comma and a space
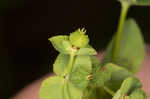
112, 93
124, 10
70, 65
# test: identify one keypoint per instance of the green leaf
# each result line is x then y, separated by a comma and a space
67, 46
79, 78
79, 39
86, 51
141, 2
71, 92
61, 44
95, 61
110, 75
81, 70
61, 64
95, 92
103, 74
96, 68
59, 88
129, 85
130, 89
138, 94
90, 93
117, 77
117, 95
83, 62
131, 49
52, 87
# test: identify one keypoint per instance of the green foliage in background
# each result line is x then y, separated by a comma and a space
79, 73
131, 48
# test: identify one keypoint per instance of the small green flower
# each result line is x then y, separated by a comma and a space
79, 39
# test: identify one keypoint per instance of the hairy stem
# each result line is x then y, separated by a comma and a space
124, 10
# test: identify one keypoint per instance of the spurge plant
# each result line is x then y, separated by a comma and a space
79, 73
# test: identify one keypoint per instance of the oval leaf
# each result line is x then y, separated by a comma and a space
86, 51
83, 62
61, 64
82, 68
130, 89
49, 85
71, 92
129, 85
138, 94
111, 75
131, 49
61, 44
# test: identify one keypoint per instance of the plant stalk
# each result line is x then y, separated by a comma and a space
70, 65
112, 93
124, 10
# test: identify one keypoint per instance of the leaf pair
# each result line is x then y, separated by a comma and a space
82, 67
131, 48
130, 89
72, 85
70, 44
64, 46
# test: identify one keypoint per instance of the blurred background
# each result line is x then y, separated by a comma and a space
25, 52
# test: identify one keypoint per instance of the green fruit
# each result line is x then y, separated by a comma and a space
79, 39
